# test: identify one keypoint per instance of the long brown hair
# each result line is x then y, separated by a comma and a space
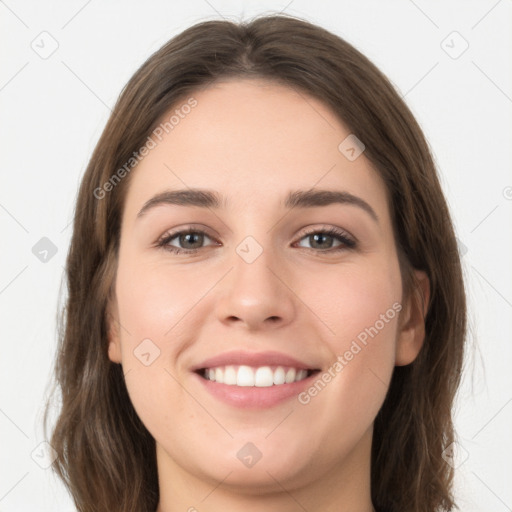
106, 455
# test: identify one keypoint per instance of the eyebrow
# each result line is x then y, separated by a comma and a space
205, 198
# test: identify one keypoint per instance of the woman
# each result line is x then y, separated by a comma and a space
304, 351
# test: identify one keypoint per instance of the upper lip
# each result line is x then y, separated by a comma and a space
255, 359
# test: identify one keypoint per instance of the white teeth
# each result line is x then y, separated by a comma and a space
264, 377
279, 377
230, 375
246, 376
290, 376
301, 374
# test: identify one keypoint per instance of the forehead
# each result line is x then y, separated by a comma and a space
253, 141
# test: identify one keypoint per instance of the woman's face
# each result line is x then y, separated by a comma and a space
267, 292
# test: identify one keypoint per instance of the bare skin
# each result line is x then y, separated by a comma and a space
253, 142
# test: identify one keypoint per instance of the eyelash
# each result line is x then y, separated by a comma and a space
347, 242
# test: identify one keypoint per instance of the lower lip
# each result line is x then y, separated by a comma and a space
253, 397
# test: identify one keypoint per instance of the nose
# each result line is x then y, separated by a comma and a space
257, 294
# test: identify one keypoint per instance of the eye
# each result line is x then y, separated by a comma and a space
191, 240
323, 239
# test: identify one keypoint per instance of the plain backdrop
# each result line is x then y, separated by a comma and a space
63, 65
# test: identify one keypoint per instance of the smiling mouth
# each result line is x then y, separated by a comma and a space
248, 376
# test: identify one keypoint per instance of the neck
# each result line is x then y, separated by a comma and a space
342, 488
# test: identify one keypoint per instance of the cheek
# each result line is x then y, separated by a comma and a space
347, 303
361, 307
152, 300
353, 299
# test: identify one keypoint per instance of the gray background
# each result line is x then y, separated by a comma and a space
54, 106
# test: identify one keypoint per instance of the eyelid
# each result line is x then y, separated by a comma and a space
326, 228
307, 230
196, 228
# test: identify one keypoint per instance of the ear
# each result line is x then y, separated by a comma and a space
112, 321
411, 334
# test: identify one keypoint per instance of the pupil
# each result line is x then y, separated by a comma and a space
191, 235
319, 236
